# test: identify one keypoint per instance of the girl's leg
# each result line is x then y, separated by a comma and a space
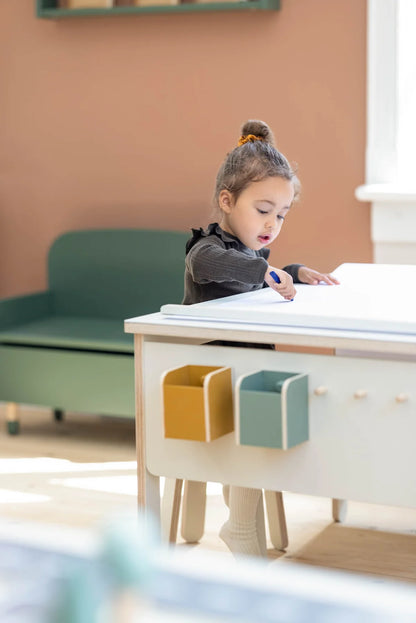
239, 533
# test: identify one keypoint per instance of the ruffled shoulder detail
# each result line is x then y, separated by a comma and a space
197, 234
212, 230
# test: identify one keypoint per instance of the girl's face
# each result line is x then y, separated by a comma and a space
257, 216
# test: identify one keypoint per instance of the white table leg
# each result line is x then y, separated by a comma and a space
193, 511
277, 519
260, 526
148, 487
171, 503
339, 510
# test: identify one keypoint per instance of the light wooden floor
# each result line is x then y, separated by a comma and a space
79, 472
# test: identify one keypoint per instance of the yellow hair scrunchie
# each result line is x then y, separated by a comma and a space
250, 138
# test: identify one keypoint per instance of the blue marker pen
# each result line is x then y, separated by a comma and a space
276, 278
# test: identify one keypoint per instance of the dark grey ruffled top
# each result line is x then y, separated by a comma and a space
218, 264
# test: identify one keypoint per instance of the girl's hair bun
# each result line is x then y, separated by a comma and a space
258, 128
254, 159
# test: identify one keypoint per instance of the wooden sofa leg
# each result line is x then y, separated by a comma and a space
58, 415
171, 503
277, 519
339, 510
193, 511
12, 418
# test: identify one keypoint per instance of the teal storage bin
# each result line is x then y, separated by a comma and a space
272, 409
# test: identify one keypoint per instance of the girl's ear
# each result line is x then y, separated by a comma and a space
225, 200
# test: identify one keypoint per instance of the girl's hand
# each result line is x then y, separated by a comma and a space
313, 277
285, 288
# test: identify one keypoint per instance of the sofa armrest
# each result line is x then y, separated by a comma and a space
20, 309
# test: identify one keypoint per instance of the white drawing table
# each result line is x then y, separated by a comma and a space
362, 393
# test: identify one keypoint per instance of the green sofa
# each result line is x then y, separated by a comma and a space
65, 348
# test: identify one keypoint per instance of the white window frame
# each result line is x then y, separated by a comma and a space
393, 205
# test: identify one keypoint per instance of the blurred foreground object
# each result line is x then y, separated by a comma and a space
120, 575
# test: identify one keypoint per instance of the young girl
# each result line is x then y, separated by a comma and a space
255, 189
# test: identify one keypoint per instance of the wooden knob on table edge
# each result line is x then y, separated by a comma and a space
402, 397
360, 393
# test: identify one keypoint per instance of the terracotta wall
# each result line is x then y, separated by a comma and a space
123, 122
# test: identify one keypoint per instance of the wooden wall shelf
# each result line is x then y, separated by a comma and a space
49, 9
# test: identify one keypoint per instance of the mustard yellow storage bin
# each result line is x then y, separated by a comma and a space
197, 402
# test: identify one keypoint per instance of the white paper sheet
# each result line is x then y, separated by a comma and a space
371, 297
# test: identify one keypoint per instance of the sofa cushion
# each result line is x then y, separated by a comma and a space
74, 332
116, 273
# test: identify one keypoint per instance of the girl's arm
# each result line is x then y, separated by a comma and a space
313, 277
209, 262
293, 270
302, 274
285, 286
